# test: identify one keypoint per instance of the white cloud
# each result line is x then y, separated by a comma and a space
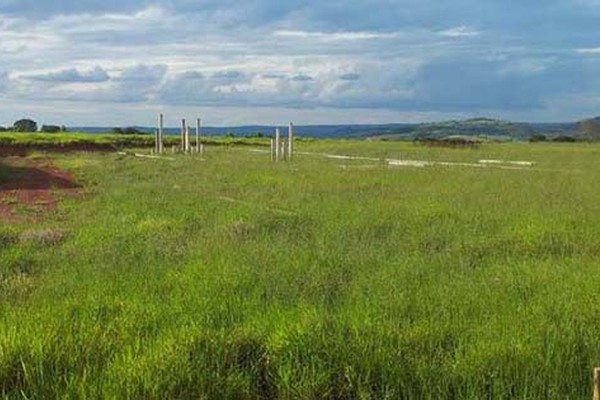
336, 36
459, 31
526, 66
589, 50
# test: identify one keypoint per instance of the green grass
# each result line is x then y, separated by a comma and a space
318, 282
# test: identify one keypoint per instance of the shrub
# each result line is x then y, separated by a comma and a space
564, 139
538, 138
131, 131
51, 129
127, 131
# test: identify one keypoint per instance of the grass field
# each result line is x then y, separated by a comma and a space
234, 278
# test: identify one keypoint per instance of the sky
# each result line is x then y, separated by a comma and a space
120, 62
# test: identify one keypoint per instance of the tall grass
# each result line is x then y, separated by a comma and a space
321, 282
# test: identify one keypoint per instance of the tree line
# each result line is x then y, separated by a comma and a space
29, 125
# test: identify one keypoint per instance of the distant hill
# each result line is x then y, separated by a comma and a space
482, 128
474, 127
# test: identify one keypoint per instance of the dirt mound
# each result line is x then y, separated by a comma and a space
29, 187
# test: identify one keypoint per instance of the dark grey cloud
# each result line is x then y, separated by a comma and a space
302, 78
453, 85
273, 76
185, 88
350, 77
138, 83
72, 75
228, 75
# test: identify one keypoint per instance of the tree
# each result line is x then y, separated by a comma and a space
25, 125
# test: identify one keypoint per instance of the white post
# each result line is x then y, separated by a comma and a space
198, 146
183, 125
187, 139
277, 145
161, 122
291, 142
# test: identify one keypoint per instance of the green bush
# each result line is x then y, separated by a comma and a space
51, 129
564, 139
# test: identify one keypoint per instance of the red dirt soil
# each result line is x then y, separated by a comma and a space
32, 186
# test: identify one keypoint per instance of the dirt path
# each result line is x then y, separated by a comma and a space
29, 187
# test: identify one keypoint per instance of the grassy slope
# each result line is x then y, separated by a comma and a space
380, 283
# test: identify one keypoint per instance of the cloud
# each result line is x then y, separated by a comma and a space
302, 78
589, 50
273, 76
228, 75
138, 83
3, 81
350, 77
335, 36
133, 84
508, 84
72, 75
322, 85
460, 31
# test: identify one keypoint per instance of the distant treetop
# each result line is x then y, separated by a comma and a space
25, 125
